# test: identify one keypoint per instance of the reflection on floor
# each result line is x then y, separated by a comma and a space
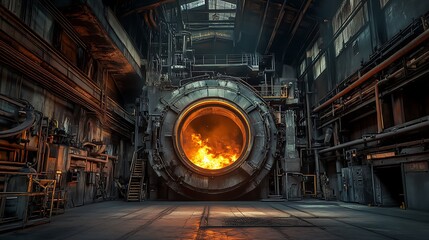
308, 219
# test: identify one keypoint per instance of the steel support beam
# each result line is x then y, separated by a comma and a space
142, 6
276, 26
261, 29
295, 27
201, 11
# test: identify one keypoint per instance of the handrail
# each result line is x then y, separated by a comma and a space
48, 190
218, 59
134, 157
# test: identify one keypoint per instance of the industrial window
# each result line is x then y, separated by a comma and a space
220, 4
42, 23
13, 6
302, 67
350, 28
201, 35
192, 5
216, 18
320, 64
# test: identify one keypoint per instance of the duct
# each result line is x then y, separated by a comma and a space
400, 53
209, 107
379, 109
317, 170
376, 137
29, 120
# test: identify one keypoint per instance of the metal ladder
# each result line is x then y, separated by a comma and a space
135, 184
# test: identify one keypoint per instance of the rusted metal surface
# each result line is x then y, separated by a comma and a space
100, 39
41, 63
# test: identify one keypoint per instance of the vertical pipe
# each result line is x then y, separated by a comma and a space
276, 179
309, 122
404, 185
169, 52
184, 44
160, 47
136, 127
316, 161
285, 187
120, 165
149, 46
373, 185
380, 123
338, 171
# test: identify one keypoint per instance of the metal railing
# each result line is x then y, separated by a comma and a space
251, 60
24, 207
279, 91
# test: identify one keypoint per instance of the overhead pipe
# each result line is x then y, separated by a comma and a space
380, 136
91, 159
276, 26
378, 108
400, 53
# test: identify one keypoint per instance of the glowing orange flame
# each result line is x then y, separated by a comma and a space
212, 154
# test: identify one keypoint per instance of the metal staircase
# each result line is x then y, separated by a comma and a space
135, 184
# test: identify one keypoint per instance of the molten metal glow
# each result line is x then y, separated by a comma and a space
212, 135
212, 153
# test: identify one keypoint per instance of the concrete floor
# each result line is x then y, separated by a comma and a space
307, 219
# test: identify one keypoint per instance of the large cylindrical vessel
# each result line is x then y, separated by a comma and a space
212, 139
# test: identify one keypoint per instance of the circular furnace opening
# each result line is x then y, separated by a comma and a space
212, 136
